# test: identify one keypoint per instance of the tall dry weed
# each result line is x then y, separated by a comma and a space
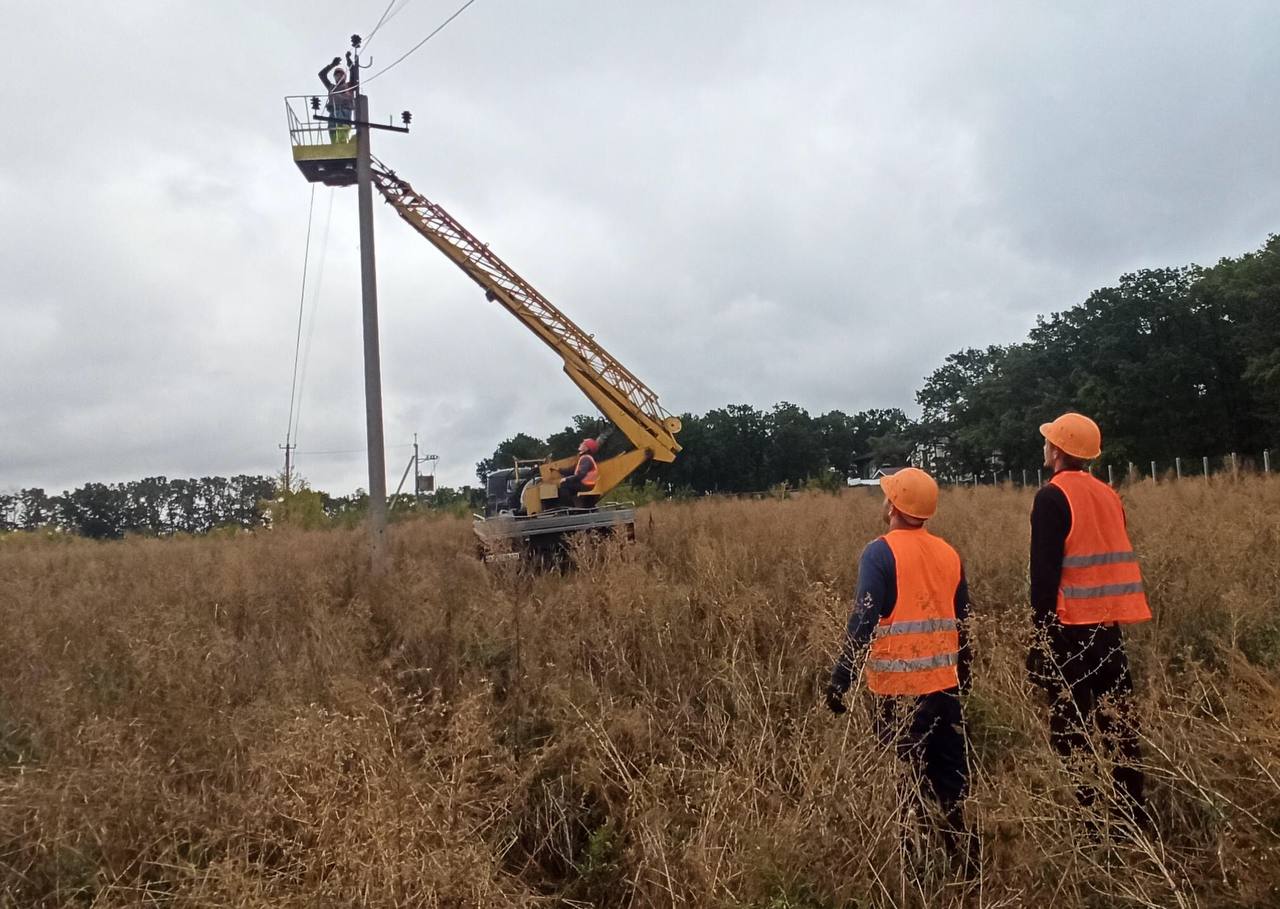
252, 721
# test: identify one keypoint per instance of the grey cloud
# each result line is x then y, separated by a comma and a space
744, 202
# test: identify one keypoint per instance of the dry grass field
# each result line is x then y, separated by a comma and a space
248, 721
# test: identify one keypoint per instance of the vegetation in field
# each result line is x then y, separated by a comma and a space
250, 720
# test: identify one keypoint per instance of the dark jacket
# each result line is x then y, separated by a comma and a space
342, 98
1074, 649
876, 596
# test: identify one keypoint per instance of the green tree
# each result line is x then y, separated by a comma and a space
95, 510
795, 450
37, 509
521, 446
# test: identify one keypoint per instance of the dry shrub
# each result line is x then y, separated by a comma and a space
252, 721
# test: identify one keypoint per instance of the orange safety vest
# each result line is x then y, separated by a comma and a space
1101, 582
915, 648
592, 474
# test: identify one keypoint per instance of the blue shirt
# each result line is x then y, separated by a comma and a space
876, 596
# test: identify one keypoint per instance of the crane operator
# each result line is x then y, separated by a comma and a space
582, 478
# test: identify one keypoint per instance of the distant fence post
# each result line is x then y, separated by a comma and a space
1266, 460
1111, 477
1039, 477
1235, 467
1133, 471
1206, 469
1177, 466
1024, 474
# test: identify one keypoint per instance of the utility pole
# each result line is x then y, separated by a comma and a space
288, 463
417, 485
338, 152
372, 356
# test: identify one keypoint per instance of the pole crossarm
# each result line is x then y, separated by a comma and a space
582, 355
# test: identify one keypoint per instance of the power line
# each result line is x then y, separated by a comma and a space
399, 9
302, 298
381, 19
344, 451
315, 307
438, 29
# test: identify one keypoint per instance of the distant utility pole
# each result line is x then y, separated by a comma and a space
417, 483
288, 465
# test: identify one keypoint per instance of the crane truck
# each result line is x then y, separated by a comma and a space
523, 507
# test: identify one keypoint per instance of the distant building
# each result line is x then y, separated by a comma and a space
886, 472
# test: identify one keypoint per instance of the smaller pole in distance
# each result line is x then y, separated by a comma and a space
1177, 466
1205, 461
1111, 477
288, 466
417, 484
1153, 472
1266, 461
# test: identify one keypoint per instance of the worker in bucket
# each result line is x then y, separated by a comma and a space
582, 478
907, 630
342, 97
1085, 585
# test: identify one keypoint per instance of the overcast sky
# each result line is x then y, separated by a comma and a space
745, 202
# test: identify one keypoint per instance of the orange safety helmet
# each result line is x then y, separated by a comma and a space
1075, 434
912, 491
588, 446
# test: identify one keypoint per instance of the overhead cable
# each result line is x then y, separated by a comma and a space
345, 451
364, 80
302, 299
317, 284
381, 19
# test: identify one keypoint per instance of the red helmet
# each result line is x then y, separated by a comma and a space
588, 446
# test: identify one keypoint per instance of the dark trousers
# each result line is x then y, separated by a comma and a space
928, 733
570, 489
1091, 709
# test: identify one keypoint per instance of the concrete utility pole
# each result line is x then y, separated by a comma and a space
372, 357
288, 466
416, 496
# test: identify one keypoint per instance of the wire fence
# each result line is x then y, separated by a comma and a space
1205, 468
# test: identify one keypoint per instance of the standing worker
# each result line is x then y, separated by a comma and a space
342, 96
1085, 584
911, 604
582, 478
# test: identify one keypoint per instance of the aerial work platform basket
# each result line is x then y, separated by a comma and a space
324, 151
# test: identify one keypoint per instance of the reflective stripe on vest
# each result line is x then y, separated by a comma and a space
593, 472
1101, 581
933, 662
915, 649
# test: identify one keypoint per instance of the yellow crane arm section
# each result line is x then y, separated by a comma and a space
624, 400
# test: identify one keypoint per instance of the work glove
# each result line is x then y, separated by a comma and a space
334, 62
835, 700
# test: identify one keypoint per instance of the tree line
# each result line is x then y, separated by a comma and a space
1170, 361
1181, 361
155, 505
